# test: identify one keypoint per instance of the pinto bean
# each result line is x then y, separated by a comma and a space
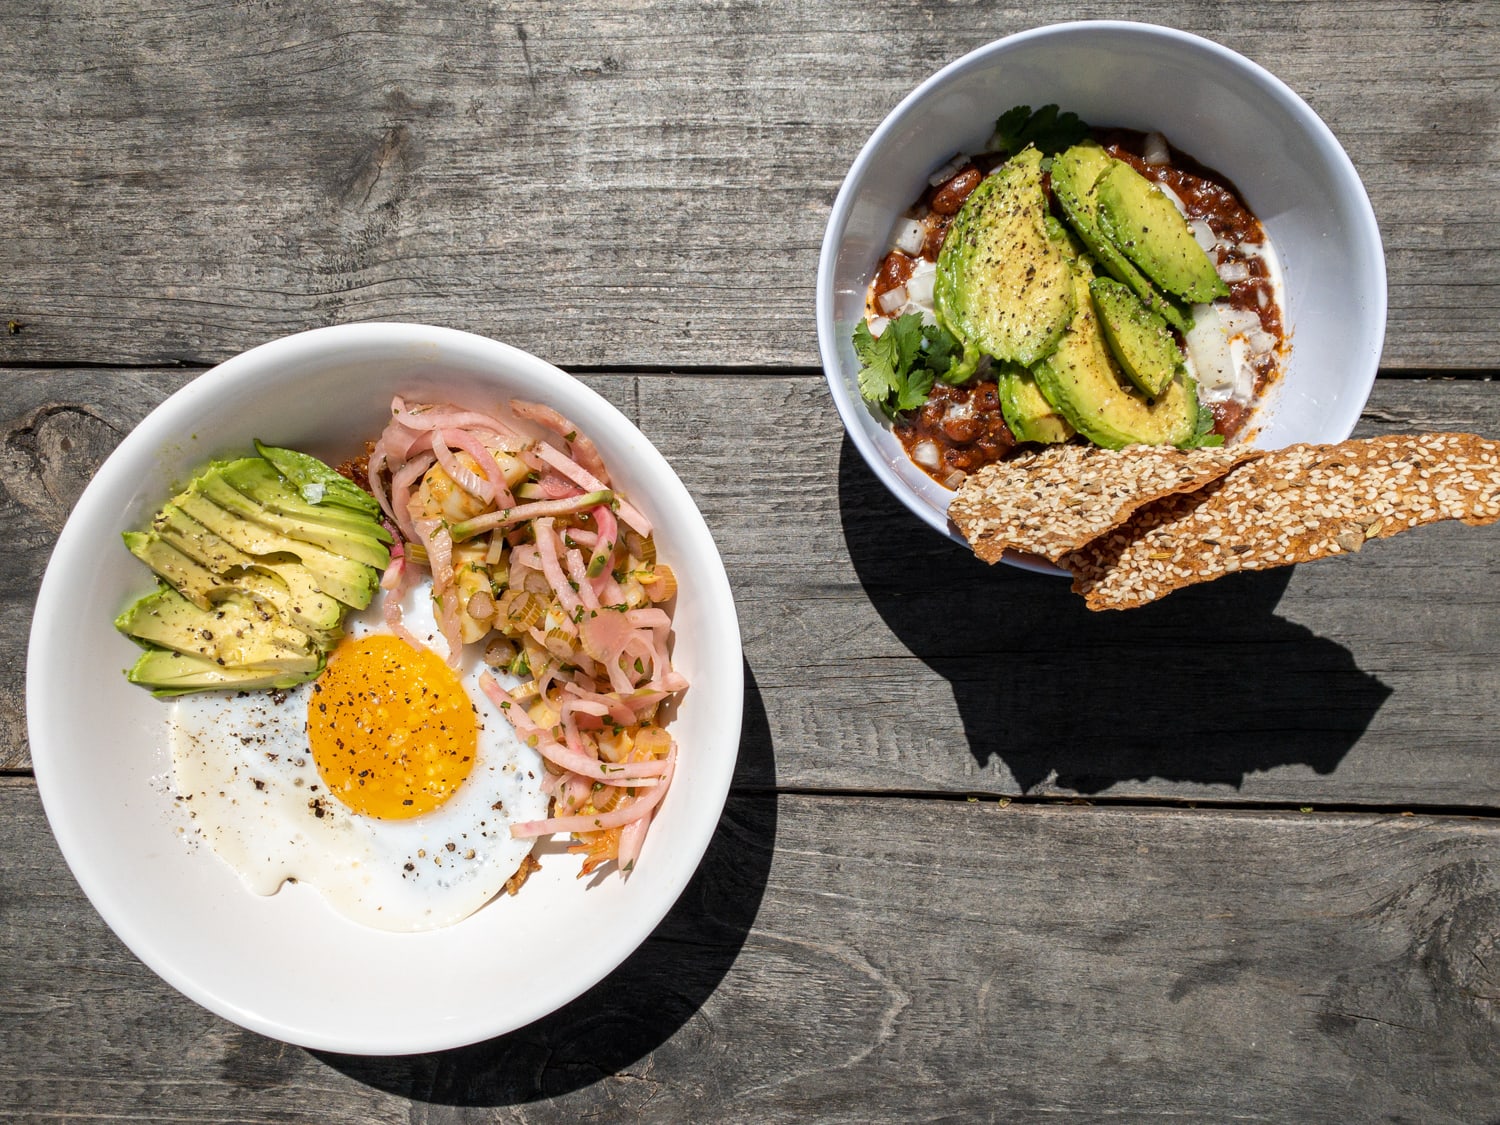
950, 197
962, 424
895, 269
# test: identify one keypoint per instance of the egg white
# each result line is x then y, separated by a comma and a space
244, 771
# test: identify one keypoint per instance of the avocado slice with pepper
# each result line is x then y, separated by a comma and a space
1073, 176
1139, 340
1003, 283
1082, 382
1027, 412
1148, 229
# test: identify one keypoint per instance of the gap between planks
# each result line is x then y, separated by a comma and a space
727, 371
24, 779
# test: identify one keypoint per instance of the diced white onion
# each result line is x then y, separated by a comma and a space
946, 172
1208, 349
1260, 342
1204, 235
919, 285
1234, 271
892, 299
955, 480
908, 236
1154, 149
1175, 198
1236, 322
877, 325
925, 453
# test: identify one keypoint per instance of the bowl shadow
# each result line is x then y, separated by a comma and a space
645, 1001
1204, 687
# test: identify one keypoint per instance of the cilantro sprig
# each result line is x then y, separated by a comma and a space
899, 367
1049, 130
1203, 431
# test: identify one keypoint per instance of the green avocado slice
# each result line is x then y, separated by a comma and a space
361, 546
1139, 340
259, 480
1074, 175
1081, 381
1027, 412
348, 580
169, 673
316, 482
1003, 282
1144, 224
235, 632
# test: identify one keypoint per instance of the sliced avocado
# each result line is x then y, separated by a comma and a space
1027, 412
316, 482
189, 577
360, 547
257, 479
1138, 218
258, 573
169, 673
185, 534
298, 600
1065, 236
1074, 174
304, 602
291, 588
236, 631
1139, 340
1002, 284
351, 582
1081, 380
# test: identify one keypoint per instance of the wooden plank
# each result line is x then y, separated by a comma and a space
863, 959
604, 184
882, 657
888, 658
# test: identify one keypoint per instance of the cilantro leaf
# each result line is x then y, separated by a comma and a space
1050, 131
899, 367
942, 349
877, 364
1203, 431
907, 333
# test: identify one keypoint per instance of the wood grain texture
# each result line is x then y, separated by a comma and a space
886, 658
641, 184
861, 959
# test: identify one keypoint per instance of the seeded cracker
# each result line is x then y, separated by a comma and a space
1292, 505
1057, 499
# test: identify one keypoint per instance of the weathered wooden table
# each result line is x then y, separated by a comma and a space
987, 856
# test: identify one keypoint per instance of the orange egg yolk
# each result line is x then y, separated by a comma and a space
391, 728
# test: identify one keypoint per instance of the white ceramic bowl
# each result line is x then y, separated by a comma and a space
1211, 103
286, 965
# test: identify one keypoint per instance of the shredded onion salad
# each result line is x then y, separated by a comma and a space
532, 552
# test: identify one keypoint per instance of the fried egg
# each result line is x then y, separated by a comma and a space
389, 783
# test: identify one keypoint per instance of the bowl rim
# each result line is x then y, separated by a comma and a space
49, 761
852, 409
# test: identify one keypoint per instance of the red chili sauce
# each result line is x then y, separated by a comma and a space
965, 424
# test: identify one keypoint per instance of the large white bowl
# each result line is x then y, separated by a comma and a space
1211, 103
286, 965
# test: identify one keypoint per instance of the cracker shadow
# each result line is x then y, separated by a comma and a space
644, 1002
1205, 686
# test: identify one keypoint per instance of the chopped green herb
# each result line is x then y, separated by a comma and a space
1050, 131
1203, 435
898, 367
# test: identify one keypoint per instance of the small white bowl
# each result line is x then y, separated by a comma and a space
1217, 106
286, 965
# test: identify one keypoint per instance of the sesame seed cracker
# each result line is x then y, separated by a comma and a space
1292, 505
1052, 501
